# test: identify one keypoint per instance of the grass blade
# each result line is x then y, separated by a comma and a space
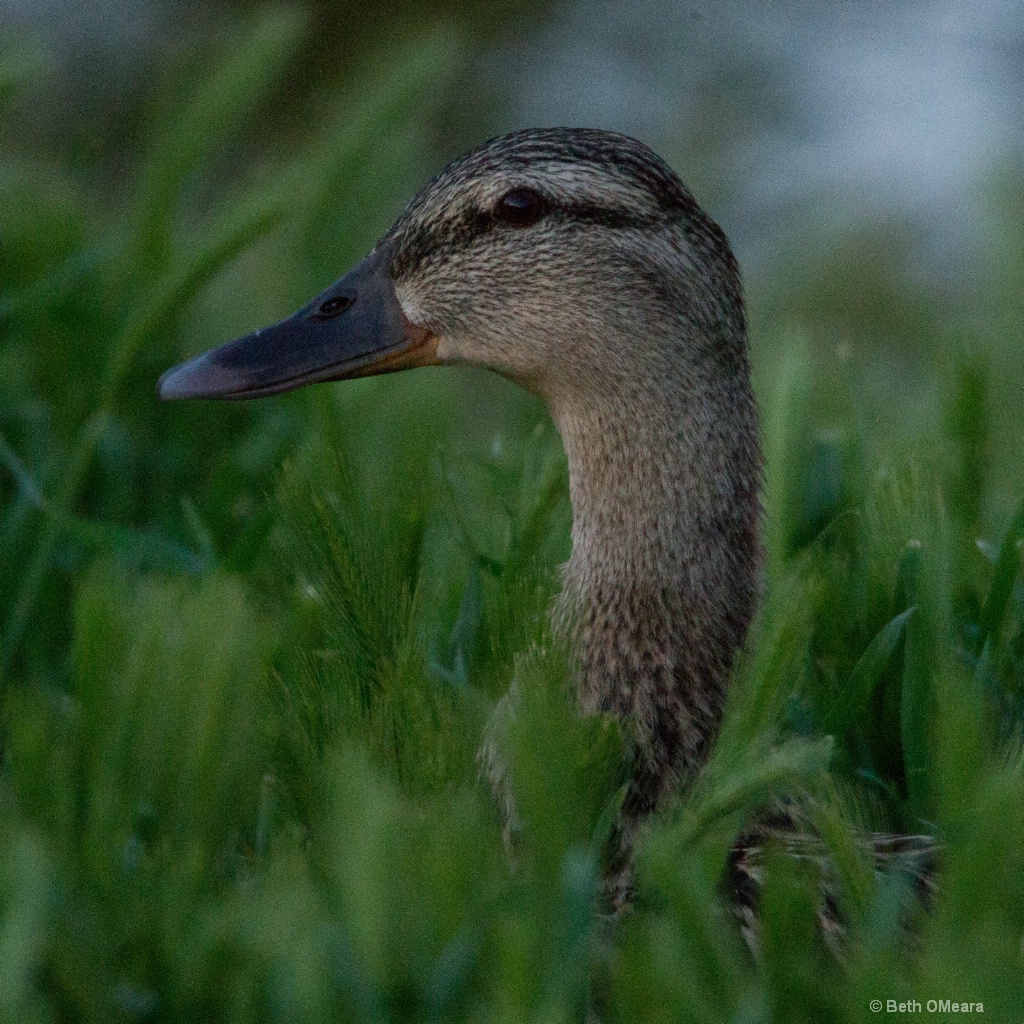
200, 124
872, 663
1008, 566
916, 693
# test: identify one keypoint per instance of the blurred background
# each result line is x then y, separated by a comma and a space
204, 662
784, 115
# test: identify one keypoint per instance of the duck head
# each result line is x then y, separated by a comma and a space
565, 259
577, 264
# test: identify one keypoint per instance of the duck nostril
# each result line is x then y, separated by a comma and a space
333, 306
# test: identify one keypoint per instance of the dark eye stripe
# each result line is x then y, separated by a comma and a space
442, 238
618, 217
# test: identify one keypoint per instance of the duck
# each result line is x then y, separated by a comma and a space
575, 263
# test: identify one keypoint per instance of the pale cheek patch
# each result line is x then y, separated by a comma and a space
446, 352
411, 305
415, 312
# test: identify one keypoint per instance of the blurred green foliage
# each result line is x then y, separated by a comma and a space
249, 652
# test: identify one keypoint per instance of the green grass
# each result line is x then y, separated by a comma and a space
249, 652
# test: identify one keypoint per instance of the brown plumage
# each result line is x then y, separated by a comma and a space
577, 264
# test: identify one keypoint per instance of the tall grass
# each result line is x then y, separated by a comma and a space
249, 653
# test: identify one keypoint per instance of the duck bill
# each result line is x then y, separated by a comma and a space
354, 329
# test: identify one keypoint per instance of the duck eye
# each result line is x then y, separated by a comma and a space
333, 306
521, 207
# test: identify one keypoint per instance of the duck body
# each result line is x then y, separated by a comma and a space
575, 262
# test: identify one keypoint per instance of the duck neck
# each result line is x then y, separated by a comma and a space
661, 584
